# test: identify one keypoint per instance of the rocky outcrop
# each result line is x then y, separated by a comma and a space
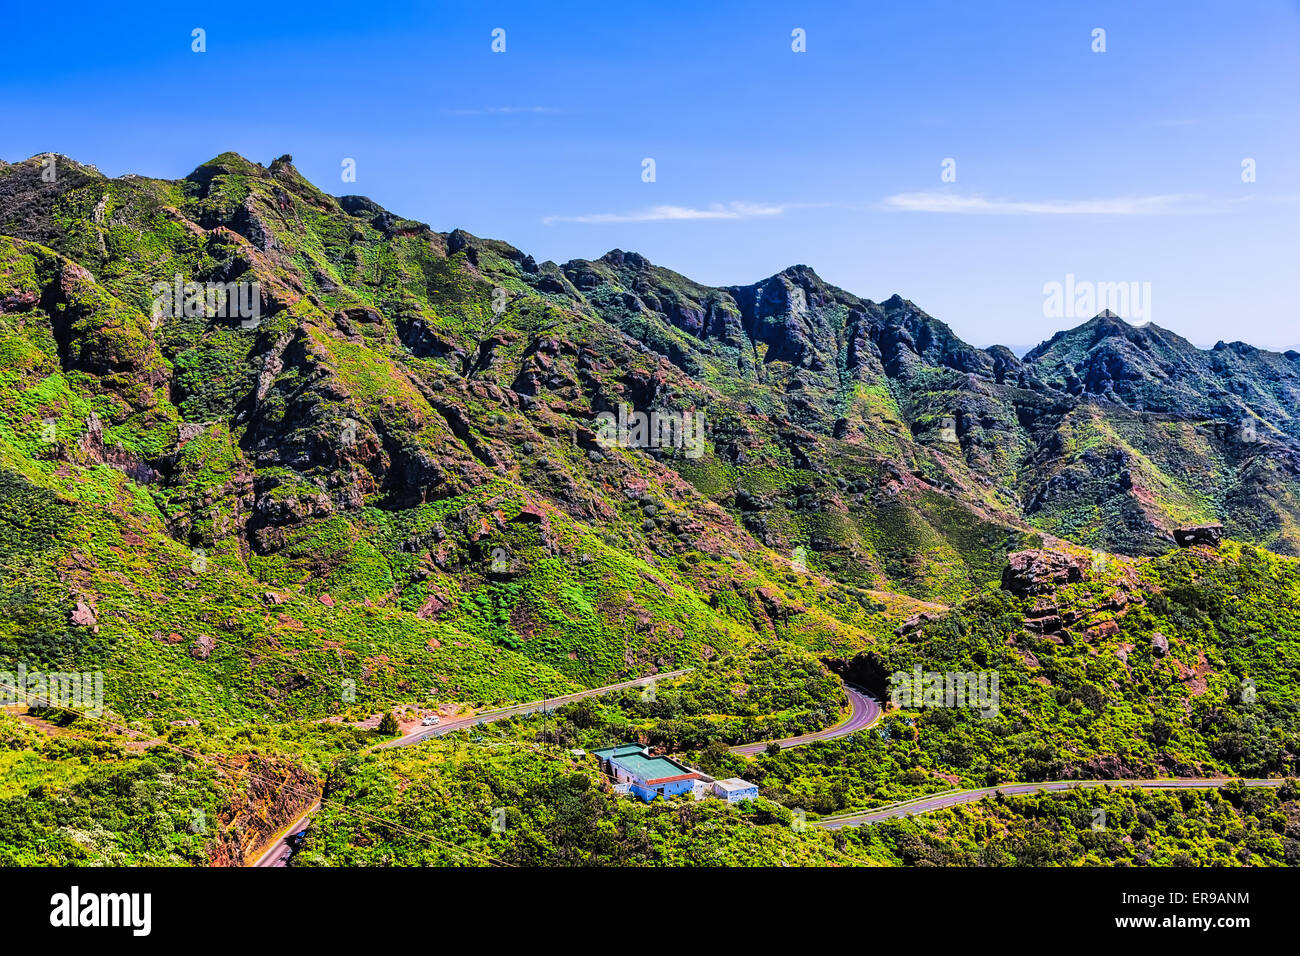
914, 623
1204, 534
1039, 572
271, 794
83, 615
92, 447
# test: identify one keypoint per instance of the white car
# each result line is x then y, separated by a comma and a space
429, 721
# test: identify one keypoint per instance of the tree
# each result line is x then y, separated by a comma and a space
388, 724
584, 713
772, 749
1161, 731
713, 755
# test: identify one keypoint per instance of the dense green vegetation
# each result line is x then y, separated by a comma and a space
193, 795
1233, 826
386, 495
767, 691
1221, 702
454, 803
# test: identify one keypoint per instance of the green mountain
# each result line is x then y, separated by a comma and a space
361, 463
393, 418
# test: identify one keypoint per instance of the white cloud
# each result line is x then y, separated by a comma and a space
979, 205
731, 210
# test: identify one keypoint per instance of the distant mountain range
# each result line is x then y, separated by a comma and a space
1020, 350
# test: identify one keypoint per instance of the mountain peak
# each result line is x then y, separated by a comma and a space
231, 161
63, 162
634, 260
801, 274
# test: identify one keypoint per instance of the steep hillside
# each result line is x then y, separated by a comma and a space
384, 477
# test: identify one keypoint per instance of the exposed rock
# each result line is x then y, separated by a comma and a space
432, 605
1038, 572
915, 623
187, 431
1047, 624
275, 794
1206, 534
202, 647
83, 615
1159, 644
363, 314
19, 301
1104, 629
92, 447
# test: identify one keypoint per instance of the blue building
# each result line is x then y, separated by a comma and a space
647, 777
733, 790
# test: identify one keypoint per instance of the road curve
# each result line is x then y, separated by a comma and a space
863, 712
951, 799
517, 710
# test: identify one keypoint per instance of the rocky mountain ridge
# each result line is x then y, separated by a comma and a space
403, 447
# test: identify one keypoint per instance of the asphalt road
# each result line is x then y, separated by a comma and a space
863, 712
279, 851
488, 716
277, 854
939, 801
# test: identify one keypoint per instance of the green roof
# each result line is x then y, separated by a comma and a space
633, 759
619, 751
652, 768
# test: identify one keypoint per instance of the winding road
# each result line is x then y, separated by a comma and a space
863, 712
953, 798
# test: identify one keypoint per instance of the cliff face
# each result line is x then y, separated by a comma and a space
268, 798
386, 467
1108, 434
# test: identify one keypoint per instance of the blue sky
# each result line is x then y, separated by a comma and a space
1114, 167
